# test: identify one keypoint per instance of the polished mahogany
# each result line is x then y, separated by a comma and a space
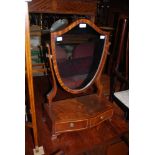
77, 55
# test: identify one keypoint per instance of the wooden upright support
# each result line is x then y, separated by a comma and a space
29, 75
37, 150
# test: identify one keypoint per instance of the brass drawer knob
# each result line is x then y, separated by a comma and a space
101, 117
71, 124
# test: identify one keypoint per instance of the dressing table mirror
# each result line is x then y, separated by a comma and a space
76, 56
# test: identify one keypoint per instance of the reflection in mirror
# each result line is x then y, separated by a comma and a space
78, 55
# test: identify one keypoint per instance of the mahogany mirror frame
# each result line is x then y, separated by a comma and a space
96, 77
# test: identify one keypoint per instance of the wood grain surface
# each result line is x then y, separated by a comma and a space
77, 113
83, 7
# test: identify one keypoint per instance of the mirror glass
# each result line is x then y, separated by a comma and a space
78, 55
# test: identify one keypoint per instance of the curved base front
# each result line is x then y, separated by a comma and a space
77, 113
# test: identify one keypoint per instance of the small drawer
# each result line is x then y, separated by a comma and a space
71, 126
100, 118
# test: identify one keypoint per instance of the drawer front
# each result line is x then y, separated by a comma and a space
100, 118
71, 126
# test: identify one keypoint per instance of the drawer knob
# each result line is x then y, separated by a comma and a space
101, 117
71, 125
